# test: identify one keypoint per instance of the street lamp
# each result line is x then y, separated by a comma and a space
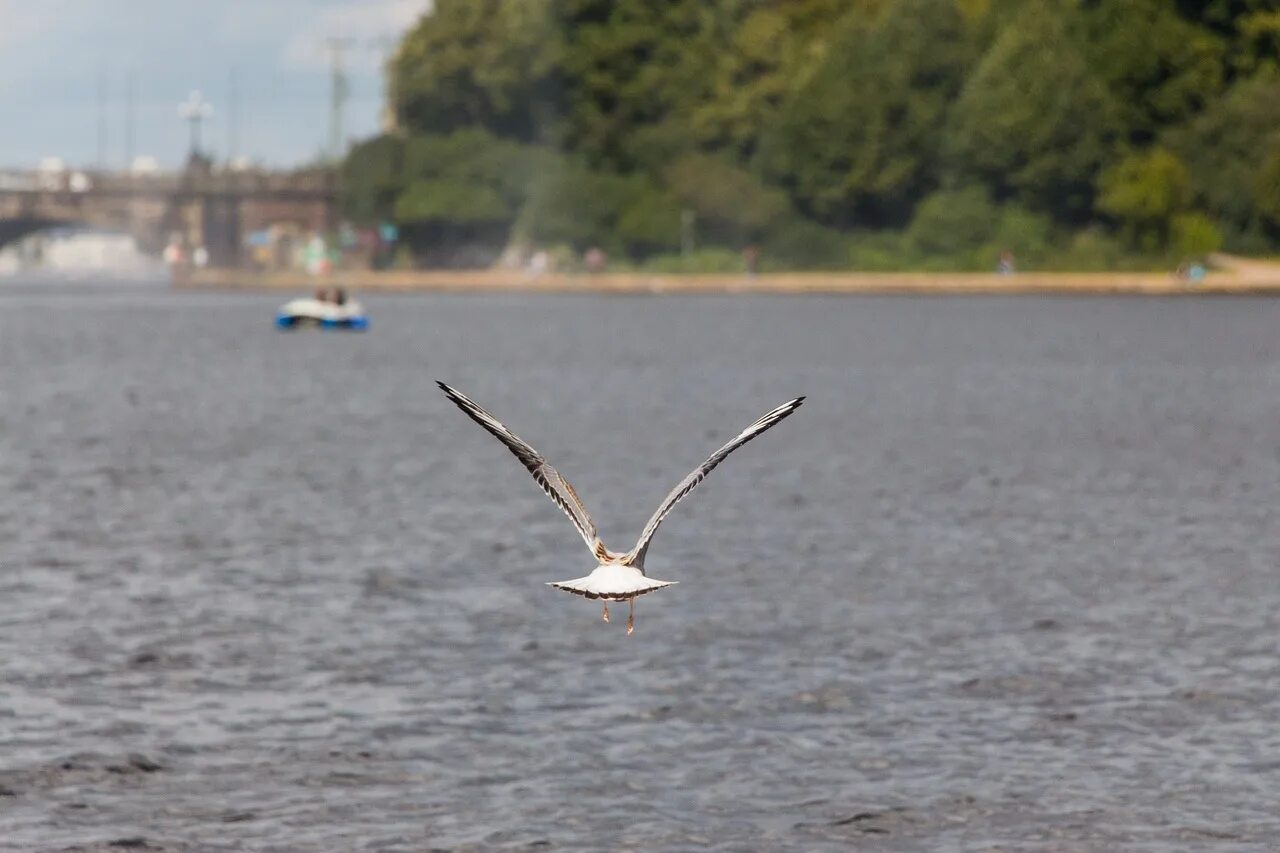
195, 110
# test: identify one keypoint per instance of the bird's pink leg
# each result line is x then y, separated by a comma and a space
631, 617
606, 611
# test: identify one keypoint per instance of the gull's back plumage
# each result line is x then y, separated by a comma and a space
619, 577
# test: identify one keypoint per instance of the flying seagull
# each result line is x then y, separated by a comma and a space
620, 576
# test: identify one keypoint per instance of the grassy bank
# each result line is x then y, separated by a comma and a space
1231, 275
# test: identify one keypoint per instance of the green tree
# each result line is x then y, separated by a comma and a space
970, 125
1145, 192
1251, 26
476, 157
858, 140
372, 179
1266, 191
770, 47
1225, 147
634, 65
1033, 121
492, 64
465, 187
1160, 67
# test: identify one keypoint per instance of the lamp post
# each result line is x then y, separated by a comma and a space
195, 110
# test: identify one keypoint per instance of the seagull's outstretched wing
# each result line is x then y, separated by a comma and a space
636, 555
556, 487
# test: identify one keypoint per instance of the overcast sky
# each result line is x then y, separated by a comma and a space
53, 52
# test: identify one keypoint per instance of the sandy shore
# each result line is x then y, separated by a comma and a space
1231, 275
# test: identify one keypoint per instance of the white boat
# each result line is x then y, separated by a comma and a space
325, 315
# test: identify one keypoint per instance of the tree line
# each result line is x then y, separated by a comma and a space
870, 134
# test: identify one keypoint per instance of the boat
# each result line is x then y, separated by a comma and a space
310, 312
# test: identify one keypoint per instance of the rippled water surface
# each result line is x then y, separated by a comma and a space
1008, 581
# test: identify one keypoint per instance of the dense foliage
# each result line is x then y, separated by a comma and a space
872, 134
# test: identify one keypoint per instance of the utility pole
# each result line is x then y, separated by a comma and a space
337, 98
233, 117
130, 117
195, 110
101, 119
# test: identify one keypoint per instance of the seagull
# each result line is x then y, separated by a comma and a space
619, 576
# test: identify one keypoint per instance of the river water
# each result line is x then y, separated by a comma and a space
1007, 581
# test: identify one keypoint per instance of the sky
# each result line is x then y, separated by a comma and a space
55, 55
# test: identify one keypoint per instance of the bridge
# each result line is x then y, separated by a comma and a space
200, 206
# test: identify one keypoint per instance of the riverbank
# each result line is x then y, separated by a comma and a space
1230, 275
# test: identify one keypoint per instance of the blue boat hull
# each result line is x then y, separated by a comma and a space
354, 324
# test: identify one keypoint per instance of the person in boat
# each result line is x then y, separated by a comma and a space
339, 296
322, 295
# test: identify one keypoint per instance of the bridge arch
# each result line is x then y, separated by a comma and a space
13, 230
214, 209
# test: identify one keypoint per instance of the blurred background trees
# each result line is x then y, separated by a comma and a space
877, 134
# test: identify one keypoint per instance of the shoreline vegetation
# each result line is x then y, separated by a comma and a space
1230, 275
848, 136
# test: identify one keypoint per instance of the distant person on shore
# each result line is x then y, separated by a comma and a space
1191, 272
1006, 265
172, 255
200, 257
751, 260
176, 260
595, 259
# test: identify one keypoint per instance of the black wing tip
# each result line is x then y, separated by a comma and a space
789, 407
452, 393
462, 401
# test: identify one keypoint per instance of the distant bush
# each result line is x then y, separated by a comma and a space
801, 244
1090, 250
651, 223
881, 251
731, 205
702, 261
1195, 236
581, 208
451, 202
1028, 235
949, 223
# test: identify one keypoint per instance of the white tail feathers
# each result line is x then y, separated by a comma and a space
612, 582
